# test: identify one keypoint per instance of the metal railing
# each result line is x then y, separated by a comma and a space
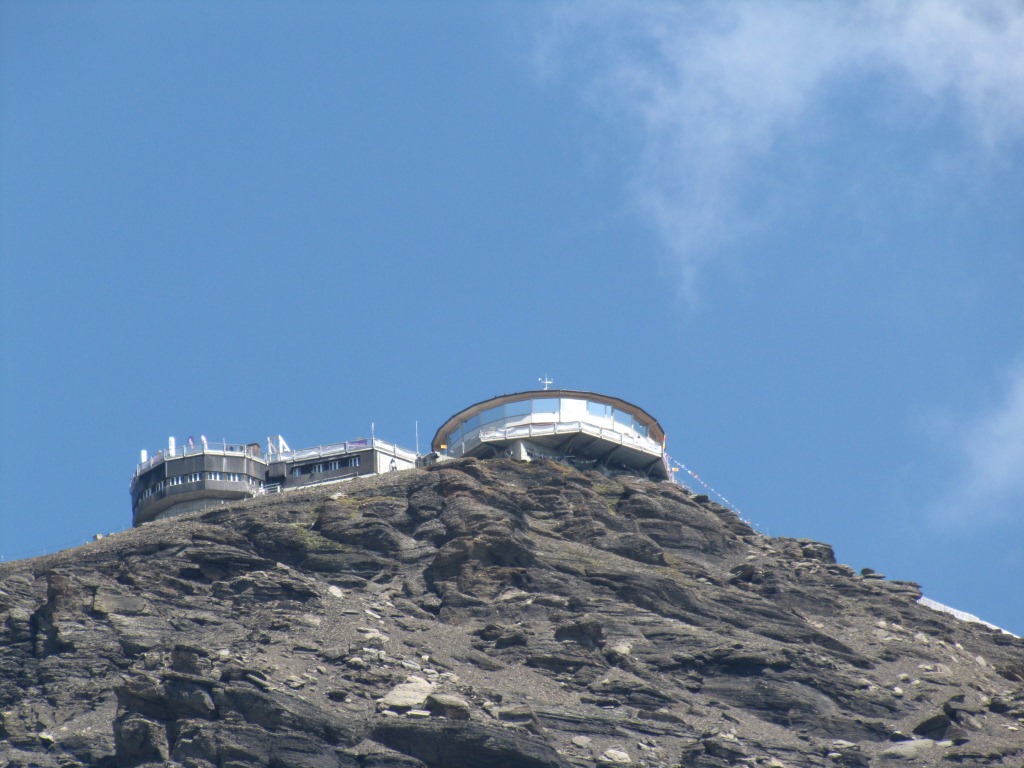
220, 449
337, 449
485, 434
254, 452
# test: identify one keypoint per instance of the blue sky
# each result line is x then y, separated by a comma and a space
793, 232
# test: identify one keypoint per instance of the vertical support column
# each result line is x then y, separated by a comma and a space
519, 453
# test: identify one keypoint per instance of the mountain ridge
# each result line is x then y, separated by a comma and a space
507, 613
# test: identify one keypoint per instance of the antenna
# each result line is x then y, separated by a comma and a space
546, 382
276, 446
417, 438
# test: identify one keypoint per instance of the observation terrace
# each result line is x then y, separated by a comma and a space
192, 476
335, 462
195, 476
583, 428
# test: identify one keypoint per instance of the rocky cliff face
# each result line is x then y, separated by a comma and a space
487, 614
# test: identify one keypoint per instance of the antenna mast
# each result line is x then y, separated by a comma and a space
546, 382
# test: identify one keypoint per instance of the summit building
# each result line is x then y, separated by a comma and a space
583, 428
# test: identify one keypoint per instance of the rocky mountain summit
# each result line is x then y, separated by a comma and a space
492, 614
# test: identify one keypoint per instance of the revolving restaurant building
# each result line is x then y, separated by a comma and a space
582, 428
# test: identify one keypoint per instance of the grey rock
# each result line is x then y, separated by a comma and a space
517, 713
411, 694
539, 607
909, 750
934, 727
586, 631
139, 740
443, 744
446, 705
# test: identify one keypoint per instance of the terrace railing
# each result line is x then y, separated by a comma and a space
220, 449
526, 431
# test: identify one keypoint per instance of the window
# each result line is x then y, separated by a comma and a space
522, 408
194, 477
296, 472
545, 405
333, 465
624, 419
319, 467
350, 461
177, 480
491, 415
214, 475
235, 477
600, 410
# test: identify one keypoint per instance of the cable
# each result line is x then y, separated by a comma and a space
713, 492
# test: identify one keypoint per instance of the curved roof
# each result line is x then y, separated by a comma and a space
655, 431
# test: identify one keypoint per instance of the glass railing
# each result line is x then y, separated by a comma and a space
253, 452
336, 449
221, 449
474, 437
546, 410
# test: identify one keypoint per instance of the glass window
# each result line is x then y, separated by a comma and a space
599, 409
640, 428
470, 424
545, 405
491, 415
521, 408
623, 418
454, 435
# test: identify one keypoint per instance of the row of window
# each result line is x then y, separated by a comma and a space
238, 477
325, 466
231, 477
553, 409
197, 477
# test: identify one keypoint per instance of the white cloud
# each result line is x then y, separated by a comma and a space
709, 88
989, 481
